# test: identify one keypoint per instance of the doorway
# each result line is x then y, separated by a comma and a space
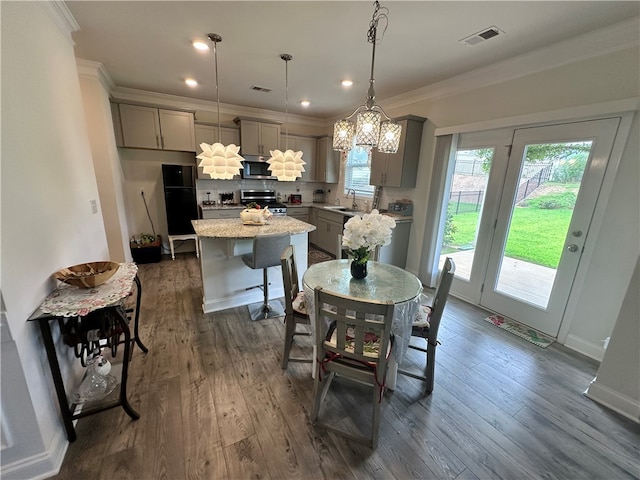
518, 212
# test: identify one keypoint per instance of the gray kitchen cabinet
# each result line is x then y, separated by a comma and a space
207, 133
258, 137
307, 145
329, 226
313, 220
396, 252
157, 128
399, 169
299, 213
117, 124
327, 161
210, 214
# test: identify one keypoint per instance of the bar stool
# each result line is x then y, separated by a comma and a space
266, 253
189, 236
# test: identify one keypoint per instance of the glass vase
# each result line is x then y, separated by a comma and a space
358, 270
96, 385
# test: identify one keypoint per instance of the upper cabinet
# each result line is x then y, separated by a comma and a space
206, 133
117, 124
307, 145
327, 161
399, 169
258, 137
157, 128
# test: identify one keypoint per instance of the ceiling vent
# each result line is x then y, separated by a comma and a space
481, 36
258, 88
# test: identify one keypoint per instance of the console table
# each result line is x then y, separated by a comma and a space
83, 313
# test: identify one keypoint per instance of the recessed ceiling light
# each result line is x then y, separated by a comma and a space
191, 82
347, 83
305, 103
198, 45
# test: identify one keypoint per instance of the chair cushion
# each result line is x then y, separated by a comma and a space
421, 320
299, 304
371, 342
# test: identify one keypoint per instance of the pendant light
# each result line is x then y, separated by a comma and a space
370, 130
287, 165
216, 160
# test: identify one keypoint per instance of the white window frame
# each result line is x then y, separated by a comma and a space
359, 162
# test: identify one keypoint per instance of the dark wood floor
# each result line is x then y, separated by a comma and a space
215, 404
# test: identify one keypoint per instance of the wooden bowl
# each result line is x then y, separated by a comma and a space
87, 275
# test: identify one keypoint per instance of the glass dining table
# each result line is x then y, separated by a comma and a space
383, 283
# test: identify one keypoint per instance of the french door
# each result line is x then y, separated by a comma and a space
520, 256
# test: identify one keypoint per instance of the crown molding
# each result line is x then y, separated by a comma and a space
599, 42
97, 70
62, 17
176, 101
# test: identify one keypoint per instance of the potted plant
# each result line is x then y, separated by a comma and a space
146, 248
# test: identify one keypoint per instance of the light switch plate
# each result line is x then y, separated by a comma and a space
94, 206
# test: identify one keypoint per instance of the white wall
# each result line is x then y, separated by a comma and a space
605, 78
48, 182
106, 162
618, 382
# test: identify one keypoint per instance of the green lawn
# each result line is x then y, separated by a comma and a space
537, 235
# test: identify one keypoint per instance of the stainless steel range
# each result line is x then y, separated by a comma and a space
264, 198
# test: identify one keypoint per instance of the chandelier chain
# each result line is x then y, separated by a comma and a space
215, 38
378, 14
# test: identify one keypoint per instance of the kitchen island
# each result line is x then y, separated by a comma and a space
226, 281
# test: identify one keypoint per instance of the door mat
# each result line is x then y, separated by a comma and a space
317, 256
529, 334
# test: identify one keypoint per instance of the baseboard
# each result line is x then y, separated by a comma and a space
41, 466
240, 299
586, 348
616, 401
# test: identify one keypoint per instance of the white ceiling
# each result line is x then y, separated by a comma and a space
147, 45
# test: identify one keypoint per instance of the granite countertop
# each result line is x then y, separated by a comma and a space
237, 206
234, 228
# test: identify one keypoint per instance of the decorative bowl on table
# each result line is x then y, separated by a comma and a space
87, 275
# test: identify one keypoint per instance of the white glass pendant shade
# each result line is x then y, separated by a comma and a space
389, 140
367, 129
287, 165
343, 131
220, 162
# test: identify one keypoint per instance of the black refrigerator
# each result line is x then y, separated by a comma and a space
180, 198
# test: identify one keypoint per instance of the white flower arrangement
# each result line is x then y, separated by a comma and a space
362, 234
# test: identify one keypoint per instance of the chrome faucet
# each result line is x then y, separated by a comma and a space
354, 205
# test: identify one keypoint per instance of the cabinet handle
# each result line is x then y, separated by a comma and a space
161, 142
158, 142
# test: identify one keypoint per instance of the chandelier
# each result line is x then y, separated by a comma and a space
373, 128
286, 165
217, 160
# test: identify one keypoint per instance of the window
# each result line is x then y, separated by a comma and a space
357, 172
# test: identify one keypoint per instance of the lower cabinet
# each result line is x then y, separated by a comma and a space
299, 213
330, 225
313, 220
396, 252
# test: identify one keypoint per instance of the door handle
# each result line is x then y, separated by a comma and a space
577, 233
573, 247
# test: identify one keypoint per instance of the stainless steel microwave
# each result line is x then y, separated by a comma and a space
256, 168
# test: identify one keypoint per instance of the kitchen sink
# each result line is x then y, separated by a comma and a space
342, 208
335, 207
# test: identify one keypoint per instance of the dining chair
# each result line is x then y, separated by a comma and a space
428, 330
356, 347
295, 312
